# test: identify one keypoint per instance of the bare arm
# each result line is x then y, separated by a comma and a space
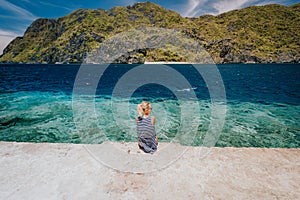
153, 121
153, 124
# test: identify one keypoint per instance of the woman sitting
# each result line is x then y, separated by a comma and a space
147, 138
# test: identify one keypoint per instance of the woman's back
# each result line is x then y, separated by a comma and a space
145, 128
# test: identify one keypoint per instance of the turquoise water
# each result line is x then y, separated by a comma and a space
37, 105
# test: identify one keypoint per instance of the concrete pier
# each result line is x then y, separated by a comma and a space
78, 171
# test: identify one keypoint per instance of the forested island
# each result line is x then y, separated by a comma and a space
256, 34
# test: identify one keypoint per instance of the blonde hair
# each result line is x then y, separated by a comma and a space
142, 106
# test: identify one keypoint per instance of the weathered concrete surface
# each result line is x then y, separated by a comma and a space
69, 171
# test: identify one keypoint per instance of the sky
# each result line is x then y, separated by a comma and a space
17, 15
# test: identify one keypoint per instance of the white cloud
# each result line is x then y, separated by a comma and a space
192, 7
262, 3
17, 11
195, 8
227, 5
19, 17
5, 38
55, 5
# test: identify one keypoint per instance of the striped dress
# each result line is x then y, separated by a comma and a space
146, 135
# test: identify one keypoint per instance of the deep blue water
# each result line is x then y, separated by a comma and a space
37, 104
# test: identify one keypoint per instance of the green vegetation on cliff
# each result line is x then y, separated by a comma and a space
263, 34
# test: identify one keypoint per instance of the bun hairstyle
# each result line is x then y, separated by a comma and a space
141, 108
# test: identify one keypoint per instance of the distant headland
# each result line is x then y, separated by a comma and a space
257, 34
